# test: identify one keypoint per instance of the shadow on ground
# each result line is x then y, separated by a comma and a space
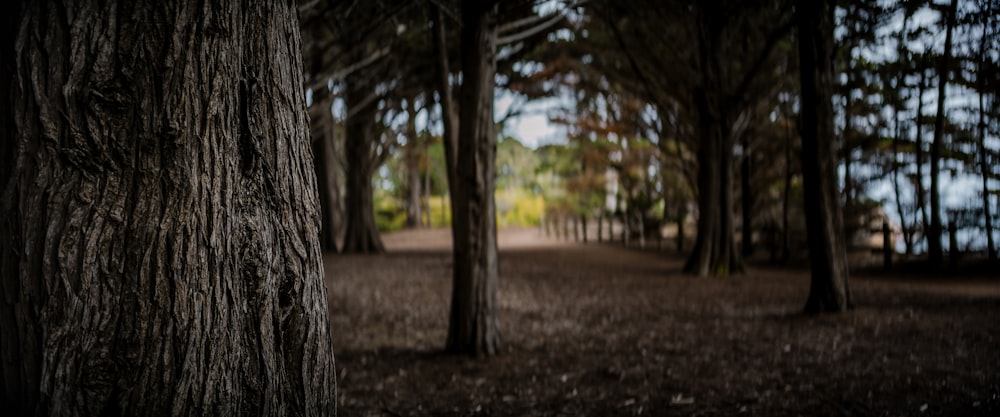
601, 330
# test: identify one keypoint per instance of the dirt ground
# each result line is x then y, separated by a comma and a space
600, 330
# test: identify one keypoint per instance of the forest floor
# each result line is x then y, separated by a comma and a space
602, 330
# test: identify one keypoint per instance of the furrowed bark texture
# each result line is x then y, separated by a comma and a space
160, 250
828, 291
473, 327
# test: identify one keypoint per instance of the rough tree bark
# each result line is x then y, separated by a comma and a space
159, 249
361, 234
828, 291
473, 327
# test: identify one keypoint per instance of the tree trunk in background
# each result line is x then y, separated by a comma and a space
448, 112
413, 155
984, 166
845, 149
829, 290
934, 250
600, 225
897, 103
714, 250
919, 155
160, 220
473, 327
746, 200
327, 169
907, 231
362, 234
786, 195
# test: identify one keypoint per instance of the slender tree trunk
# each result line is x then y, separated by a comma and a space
907, 231
845, 151
786, 197
426, 199
473, 327
448, 111
746, 202
160, 222
897, 134
921, 192
828, 291
413, 156
984, 166
600, 225
362, 234
934, 250
327, 169
681, 217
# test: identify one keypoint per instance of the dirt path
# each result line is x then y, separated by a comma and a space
601, 330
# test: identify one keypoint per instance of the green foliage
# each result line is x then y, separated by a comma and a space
519, 208
389, 213
440, 211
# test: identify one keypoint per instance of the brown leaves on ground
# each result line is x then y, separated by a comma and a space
605, 331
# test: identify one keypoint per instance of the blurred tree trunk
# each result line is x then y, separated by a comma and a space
362, 234
845, 147
473, 327
746, 199
324, 148
900, 211
600, 224
448, 111
829, 291
786, 194
919, 138
714, 251
897, 103
984, 166
413, 157
160, 251
934, 250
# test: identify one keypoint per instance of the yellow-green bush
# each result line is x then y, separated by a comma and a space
519, 208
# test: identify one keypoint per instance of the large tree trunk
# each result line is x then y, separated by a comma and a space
324, 148
473, 327
714, 250
362, 234
160, 250
934, 250
828, 291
